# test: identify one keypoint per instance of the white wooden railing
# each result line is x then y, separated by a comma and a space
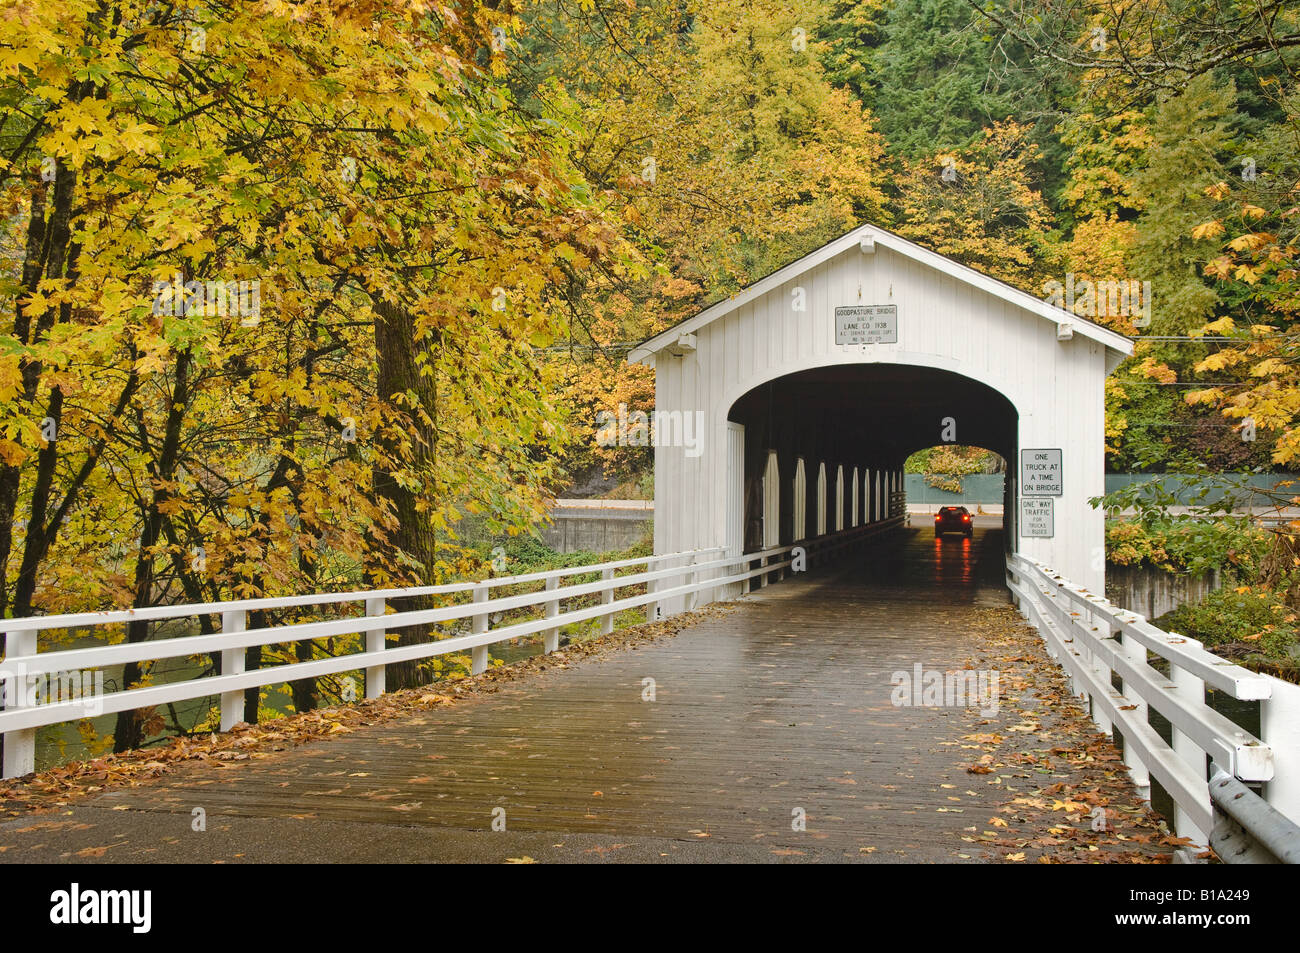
673, 582
1094, 640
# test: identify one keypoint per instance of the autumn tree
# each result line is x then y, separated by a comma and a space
983, 206
363, 170
717, 139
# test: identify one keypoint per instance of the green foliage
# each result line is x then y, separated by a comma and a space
1253, 625
528, 554
942, 74
1192, 138
945, 465
1162, 434
1188, 545
853, 30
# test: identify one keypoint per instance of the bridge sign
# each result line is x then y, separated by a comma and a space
1036, 519
1040, 473
867, 324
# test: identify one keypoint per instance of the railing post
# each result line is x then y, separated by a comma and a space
607, 598
232, 663
1085, 647
1137, 654
1191, 688
1279, 728
478, 657
1076, 688
692, 577
376, 639
20, 745
762, 576
651, 608
1104, 673
551, 638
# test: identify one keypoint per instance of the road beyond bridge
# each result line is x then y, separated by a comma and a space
770, 732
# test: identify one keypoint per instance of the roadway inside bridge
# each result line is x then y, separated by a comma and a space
770, 730
915, 564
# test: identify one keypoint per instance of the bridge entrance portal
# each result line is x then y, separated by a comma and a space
820, 380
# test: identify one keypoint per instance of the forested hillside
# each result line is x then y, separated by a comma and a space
1041, 143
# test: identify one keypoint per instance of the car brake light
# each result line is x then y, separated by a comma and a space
966, 518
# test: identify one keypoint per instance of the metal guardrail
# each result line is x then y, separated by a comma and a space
1247, 829
1096, 641
685, 579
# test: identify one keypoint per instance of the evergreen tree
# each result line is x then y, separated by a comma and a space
944, 74
1192, 139
852, 32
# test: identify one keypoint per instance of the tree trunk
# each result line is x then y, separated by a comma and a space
129, 732
400, 383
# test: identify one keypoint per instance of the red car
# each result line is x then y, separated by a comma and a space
953, 519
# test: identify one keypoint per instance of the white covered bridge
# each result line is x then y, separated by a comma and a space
816, 383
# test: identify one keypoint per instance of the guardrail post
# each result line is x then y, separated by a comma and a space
762, 576
692, 577
232, 663
551, 638
1193, 689
1280, 730
376, 682
607, 598
20, 745
478, 657
1137, 654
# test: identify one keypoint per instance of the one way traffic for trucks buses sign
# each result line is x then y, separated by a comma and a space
1036, 519
1040, 473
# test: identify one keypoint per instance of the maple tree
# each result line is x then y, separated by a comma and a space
980, 205
406, 235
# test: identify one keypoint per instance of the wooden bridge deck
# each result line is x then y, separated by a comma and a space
778, 706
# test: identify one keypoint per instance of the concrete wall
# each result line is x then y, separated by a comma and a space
598, 526
569, 534
1153, 592
975, 488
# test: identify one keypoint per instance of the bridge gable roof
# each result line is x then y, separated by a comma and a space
644, 352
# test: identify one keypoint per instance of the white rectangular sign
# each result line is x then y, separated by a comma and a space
867, 324
1036, 518
1040, 473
